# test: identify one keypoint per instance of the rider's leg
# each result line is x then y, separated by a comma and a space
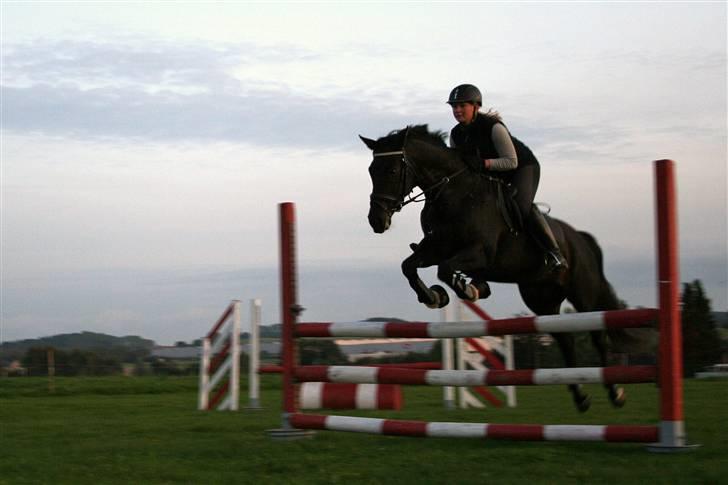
526, 181
541, 231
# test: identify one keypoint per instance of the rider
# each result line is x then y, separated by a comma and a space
487, 145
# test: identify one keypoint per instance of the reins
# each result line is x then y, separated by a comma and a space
441, 184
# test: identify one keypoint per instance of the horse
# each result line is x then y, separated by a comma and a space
469, 237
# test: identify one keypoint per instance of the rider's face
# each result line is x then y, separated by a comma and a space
464, 112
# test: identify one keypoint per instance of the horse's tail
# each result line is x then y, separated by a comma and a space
625, 340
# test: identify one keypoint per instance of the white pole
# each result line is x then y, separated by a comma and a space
254, 355
463, 392
235, 349
510, 365
204, 374
448, 392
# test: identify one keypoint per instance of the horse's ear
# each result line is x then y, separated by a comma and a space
368, 142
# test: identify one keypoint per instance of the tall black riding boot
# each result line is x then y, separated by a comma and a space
541, 232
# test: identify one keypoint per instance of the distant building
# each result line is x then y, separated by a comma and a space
357, 349
353, 349
193, 353
14, 368
176, 353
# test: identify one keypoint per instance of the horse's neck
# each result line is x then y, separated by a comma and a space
434, 164
458, 181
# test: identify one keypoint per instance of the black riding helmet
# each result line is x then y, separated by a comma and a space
465, 93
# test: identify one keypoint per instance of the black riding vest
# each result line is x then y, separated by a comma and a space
476, 138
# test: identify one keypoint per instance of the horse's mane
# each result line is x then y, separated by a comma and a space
421, 132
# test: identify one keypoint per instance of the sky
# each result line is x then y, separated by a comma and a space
145, 147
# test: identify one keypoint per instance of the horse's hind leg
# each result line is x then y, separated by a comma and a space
600, 298
546, 299
568, 351
617, 395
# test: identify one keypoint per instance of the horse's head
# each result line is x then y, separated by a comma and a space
401, 161
391, 179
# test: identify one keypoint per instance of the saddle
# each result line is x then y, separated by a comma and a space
507, 206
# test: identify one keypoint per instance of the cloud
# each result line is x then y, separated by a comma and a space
284, 95
258, 118
120, 61
174, 92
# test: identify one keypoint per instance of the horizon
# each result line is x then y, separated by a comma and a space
245, 332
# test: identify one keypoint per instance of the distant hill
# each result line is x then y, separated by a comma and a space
127, 348
131, 348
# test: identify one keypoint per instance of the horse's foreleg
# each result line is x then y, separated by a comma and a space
451, 271
435, 297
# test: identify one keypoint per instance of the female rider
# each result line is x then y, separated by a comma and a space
487, 145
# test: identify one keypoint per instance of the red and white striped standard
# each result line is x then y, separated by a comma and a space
569, 322
485, 377
524, 432
221, 358
672, 424
330, 395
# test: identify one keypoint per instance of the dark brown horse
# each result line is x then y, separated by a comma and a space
467, 237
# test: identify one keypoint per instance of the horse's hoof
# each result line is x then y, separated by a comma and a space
618, 399
483, 289
583, 404
467, 291
472, 293
441, 298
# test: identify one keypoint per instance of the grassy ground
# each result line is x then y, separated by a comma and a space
146, 430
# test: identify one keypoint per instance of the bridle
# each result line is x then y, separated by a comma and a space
385, 200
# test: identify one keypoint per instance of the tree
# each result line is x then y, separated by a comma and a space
35, 361
73, 363
701, 342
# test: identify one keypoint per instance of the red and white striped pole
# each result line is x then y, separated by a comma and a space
672, 424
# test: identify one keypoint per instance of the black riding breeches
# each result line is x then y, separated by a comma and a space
525, 180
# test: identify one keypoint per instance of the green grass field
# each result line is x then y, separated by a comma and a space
147, 430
